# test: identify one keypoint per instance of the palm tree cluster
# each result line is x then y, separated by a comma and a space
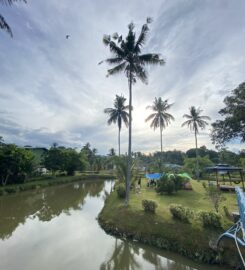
127, 58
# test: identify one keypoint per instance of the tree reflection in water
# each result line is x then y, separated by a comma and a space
44, 204
123, 257
127, 255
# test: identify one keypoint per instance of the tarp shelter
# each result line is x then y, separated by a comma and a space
224, 168
153, 176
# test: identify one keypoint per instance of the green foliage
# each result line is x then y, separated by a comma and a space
190, 164
202, 152
228, 157
233, 125
121, 168
165, 185
15, 163
121, 192
89, 155
215, 196
64, 159
72, 161
242, 162
210, 219
170, 183
181, 213
149, 206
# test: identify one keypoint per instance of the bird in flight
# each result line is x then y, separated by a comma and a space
67, 36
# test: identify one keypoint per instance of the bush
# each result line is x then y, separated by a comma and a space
165, 184
210, 219
149, 206
204, 185
121, 192
181, 213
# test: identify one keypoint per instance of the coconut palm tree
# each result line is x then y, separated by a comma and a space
3, 24
160, 118
128, 59
194, 122
118, 115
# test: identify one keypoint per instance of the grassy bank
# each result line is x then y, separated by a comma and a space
161, 230
45, 181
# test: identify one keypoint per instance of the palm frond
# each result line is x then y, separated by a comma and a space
142, 38
108, 110
117, 69
151, 116
151, 59
115, 60
4, 25
141, 73
11, 2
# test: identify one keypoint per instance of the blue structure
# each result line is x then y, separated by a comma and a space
153, 176
239, 226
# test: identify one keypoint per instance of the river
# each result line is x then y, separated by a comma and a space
56, 229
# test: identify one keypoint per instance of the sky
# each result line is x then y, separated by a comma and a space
53, 90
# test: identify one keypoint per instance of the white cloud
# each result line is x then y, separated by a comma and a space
52, 88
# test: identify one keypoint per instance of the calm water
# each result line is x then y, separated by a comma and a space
56, 228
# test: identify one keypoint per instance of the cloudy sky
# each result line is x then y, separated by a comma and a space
53, 90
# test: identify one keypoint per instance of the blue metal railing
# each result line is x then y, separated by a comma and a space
239, 226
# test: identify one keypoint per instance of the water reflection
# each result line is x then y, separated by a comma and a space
44, 204
58, 227
123, 257
128, 255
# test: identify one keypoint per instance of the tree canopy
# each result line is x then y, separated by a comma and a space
233, 124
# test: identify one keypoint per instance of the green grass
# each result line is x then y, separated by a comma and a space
187, 239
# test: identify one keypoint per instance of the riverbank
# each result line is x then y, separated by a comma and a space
46, 181
162, 231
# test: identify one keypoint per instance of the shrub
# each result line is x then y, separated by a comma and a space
210, 219
165, 184
215, 196
181, 213
149, 206
121, 192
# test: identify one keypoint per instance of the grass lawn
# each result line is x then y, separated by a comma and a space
191, 239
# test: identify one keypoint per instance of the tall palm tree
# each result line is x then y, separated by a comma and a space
160, 118
3, 24
127, 58
194, 122
118, 115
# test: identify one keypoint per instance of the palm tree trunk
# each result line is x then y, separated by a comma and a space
161, 147
197, 164
119, 142
128, 180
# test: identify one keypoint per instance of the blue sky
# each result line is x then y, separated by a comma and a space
53, 90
